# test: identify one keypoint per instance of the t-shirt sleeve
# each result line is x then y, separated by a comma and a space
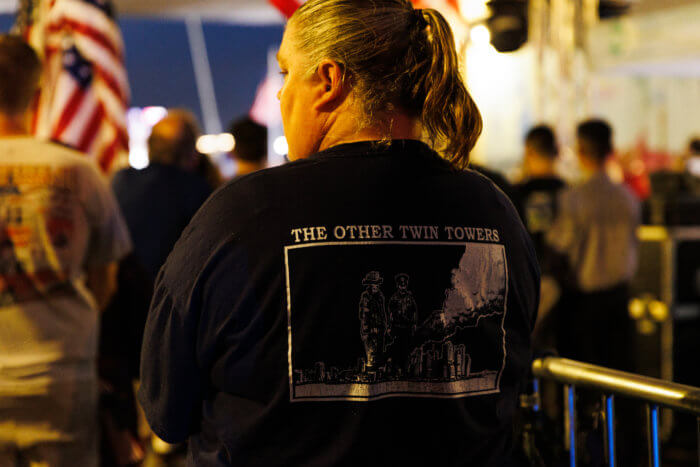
175, 361
171, 387
109, 237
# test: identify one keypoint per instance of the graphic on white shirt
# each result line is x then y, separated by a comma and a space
410, 332
36, 223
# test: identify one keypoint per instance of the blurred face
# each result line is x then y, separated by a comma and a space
527, 160
303, 124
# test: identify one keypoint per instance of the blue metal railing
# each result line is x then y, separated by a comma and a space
655, 392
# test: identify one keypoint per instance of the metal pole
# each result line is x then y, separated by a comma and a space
570, 392
203, 75
609, 428
653, 435
609, 381
698, 441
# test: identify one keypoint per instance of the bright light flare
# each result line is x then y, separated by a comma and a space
153, 115
215, 144
658, 310
636, 308
480, 35
138, 157
280, 146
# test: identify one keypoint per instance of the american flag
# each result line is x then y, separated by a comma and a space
85, 90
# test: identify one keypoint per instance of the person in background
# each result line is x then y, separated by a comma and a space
250, 151
159, 201
594, 252
537, 196
595, 235
672, 184
262, 345
61, 236
538, 192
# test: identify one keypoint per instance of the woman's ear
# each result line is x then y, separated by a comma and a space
330, 78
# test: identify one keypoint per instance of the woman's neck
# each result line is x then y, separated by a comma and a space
343, 130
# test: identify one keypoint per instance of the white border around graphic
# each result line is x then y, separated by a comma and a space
394, 394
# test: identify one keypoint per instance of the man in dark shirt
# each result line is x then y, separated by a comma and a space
159, 201
538, 193
537, 196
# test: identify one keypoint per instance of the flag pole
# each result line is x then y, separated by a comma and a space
203, 75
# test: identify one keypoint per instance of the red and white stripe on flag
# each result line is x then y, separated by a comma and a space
85, 92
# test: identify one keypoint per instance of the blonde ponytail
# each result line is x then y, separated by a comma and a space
449, 113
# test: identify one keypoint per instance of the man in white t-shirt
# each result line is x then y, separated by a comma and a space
61, 235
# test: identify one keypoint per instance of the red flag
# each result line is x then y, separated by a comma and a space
287, 7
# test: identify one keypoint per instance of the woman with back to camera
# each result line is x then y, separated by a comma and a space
369, 303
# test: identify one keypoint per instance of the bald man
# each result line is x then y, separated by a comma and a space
173, 140
159, 201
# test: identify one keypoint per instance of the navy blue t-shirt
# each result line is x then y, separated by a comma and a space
369, 305
157, 202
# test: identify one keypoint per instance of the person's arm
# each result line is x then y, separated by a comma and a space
202, 295
101, 280
199, 296
171, 379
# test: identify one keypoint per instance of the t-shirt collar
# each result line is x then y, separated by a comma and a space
374, 148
